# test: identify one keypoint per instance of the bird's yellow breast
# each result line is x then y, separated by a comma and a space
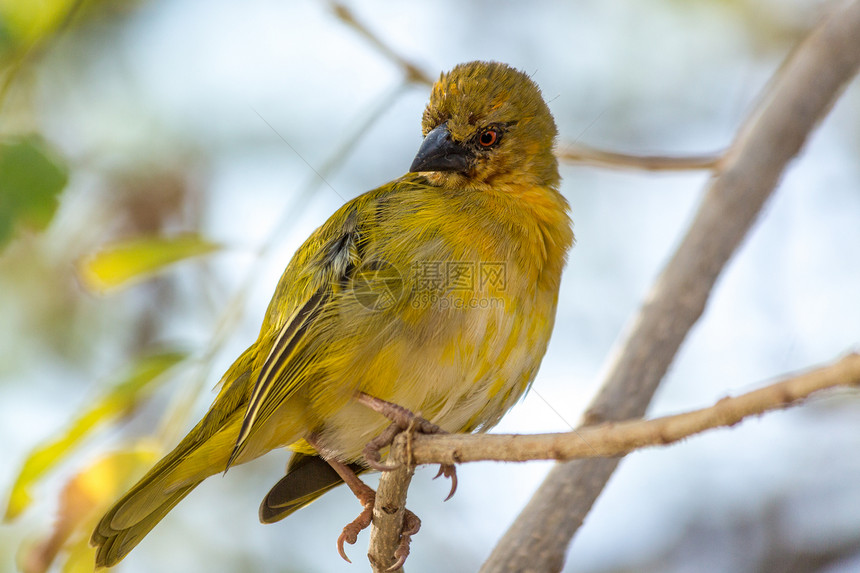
462, 333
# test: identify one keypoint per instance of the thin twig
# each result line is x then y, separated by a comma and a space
577, 153
413, 73
800, 95
620, 438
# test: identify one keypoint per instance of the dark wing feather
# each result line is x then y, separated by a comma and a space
276, 363
308, 477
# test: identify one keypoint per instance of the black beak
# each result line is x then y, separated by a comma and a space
439, 152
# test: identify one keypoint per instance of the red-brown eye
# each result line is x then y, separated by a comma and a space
488, 138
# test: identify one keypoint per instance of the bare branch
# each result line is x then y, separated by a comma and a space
620, 438
388, 514
577, 153
606, 440
412, 72
800, 95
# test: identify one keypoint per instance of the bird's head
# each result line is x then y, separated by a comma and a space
487, 126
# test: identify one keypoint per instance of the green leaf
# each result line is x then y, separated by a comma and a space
137, 384
120, 263
33, 19
31, 178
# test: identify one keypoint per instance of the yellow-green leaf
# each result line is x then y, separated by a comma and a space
30, 20
118, 264
83, 500
31, 178
132, 388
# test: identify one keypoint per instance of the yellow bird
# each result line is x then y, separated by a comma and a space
435, 293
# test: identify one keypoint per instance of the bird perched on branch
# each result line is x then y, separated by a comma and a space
435, 294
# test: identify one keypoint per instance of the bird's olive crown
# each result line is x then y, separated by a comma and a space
498, 112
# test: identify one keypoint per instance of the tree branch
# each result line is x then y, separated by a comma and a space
606, 440
389, 512
578, 153
620, 438
412, 71
798, 97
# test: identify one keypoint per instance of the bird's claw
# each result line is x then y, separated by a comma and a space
449, 471
379, 465
402, 420
411, 525
371, 450
351, 530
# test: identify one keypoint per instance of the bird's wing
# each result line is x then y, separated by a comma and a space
278, 361
307, 290
308, 477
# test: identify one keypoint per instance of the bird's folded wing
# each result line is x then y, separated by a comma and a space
275, 368
320, 269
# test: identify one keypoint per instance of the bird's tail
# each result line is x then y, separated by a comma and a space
113, 541
199, 455
202, 453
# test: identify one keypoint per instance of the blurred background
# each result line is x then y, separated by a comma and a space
155, 130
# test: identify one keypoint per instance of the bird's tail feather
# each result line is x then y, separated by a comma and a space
113, 544
202, 453
133, 516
